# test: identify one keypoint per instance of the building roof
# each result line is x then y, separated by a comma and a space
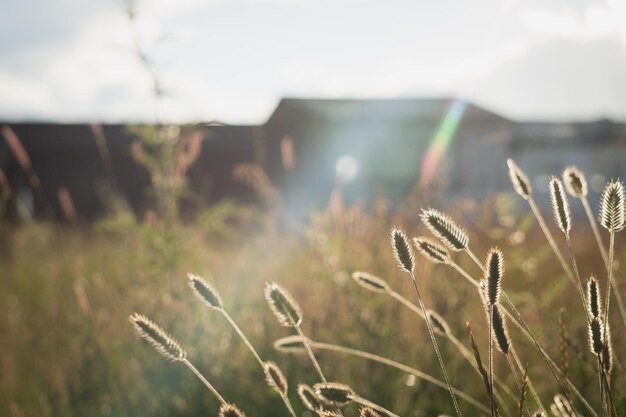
378, 109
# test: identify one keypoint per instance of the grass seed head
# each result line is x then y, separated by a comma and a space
479, 362
560, 205
370, 282
575, 182
333, 393
442, 226
431, 250
368, 412
275, 378
594, 301
596, 335
439, 325
290, 344
520, 181
282, 304
402, 250
494, 266
562, 407
165, 344
612, 206
329, 413
205, 291
230, 410
309, 398
607, 350
500, 332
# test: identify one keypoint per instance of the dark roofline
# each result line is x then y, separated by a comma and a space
441, 100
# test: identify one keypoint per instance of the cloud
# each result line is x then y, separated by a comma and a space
590, 23
561, 79
232, 60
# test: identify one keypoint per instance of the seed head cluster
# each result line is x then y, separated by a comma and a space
282, 304
165, 344
612, 206
520, 181
575, 182
442, 226
402, 250
560, 205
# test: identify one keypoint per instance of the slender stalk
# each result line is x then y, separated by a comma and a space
602, 402
518, 381
288, 404
459, 346
432, 338
549, 238
475, 259
309, 352
204, 380
243, 337
406, 302
607, 388
605, 257
579, 285
604, 406
557, 374
256, 356
497, 381
607, 301
531, 386
491, 401
594, 229
362, 401
397, 365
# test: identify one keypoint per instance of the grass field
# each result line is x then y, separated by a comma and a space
69, 350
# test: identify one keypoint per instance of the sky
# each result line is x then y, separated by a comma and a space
232, 60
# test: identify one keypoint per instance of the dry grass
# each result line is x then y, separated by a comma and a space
68, 350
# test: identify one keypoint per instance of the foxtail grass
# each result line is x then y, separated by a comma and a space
562, 380
562, 217
522, 186
484, 374
492, 289
576, 186
289, 314
339, 395
612, 218
522, 399
230, 410
211, 298
293, 344
439, 325
368, 412
168, 347
309, 399
406, 261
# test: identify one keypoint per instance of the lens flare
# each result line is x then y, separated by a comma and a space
444, 135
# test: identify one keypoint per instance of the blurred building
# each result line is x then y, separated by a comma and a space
308, 147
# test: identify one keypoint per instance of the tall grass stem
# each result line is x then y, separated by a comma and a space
549, 237
491, 400
605, 257
309, 352
256, 355
557, 374
397, 365
204, 380
432, 337
609, 283
367, 403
